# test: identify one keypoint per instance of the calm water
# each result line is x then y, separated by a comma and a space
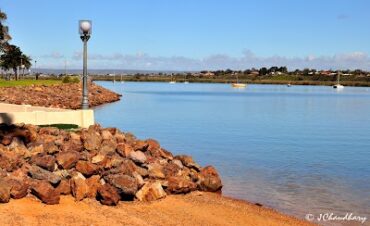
300, 149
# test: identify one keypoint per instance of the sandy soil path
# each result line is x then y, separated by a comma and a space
193, 209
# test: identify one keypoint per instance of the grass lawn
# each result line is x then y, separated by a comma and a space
28, 82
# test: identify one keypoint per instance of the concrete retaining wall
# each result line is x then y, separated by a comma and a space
11, 113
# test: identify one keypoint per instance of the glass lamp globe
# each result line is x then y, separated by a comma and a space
85, 27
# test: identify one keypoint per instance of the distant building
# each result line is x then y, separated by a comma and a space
326, 73
208, 74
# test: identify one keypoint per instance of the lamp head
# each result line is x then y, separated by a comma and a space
85, 27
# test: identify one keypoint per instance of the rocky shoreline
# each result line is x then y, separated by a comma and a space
67, 96
103, 164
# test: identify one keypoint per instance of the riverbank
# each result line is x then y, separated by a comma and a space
67, 96
198, 208
218, 80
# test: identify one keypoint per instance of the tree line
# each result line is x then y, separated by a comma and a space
275, 70
11, 56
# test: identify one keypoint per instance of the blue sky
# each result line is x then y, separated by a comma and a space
194, 34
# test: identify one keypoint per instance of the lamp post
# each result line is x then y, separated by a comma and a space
85, 32
35, 71
23, 66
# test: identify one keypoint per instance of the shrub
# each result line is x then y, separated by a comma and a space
71, 79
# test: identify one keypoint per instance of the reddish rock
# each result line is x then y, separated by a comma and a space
112, 130
41, 174
188, 161
36, 149
46, 138
9, 160
141, 171
209, 179
128, 167
49, 130
45, 192
124, 149
108, 195
113, 162
79, 187
4, 192
64, 187
51, 148
6, 140
91, 140
178, 163
137, 156
177, 185
72, 145
152, 144
21, 173
31, 133
74, 136
108, 147
165, 154
156, 171
106, 135
140, 145
126, 185
17, 146
120, 137
87, 168
45, 161
171, 169
93, 183
151, 191
68, 159
19, 188
3, 173
130, 138
98, 158
118, 166
61, 96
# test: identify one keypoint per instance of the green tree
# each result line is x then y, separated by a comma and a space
4, 34
14, 58
263, 71
306, 71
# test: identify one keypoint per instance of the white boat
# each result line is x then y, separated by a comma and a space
338, 85
289, 85
186, 82
237, 84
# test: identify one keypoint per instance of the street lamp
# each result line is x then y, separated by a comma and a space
35, 71
85, 32
23, 66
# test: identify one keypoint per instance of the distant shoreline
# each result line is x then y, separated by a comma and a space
229, 81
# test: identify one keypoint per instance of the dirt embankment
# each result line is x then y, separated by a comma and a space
193, 209
66, 96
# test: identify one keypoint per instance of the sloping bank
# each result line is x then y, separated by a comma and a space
67, 96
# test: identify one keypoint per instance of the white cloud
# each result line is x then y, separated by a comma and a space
248, 59
53, 55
